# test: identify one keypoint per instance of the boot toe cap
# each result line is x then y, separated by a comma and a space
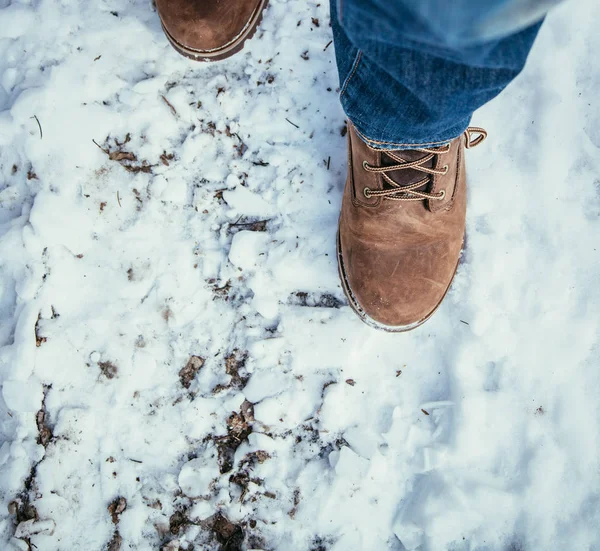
208, 27
397, 290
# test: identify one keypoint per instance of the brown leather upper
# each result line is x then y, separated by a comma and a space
399, 257
207, 25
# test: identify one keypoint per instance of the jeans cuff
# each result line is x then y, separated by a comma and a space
372, 138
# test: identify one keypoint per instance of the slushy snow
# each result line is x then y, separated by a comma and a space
179, 366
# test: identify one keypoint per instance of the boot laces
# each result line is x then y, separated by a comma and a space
411, 192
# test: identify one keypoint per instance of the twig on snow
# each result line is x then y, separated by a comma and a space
173, 110
100, 147
39, 125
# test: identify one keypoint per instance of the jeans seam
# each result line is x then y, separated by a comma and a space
354, 68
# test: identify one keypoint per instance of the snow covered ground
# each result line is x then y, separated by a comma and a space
179, 367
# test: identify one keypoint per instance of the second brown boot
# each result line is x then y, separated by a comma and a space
209, 30
401, 229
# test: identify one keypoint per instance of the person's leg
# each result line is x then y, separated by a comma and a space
413, 71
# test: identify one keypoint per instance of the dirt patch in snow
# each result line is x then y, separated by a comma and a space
191, 369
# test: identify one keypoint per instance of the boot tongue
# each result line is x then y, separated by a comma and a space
409, 175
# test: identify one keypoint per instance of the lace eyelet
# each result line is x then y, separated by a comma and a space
367, 193
442, 195
365, 164
446, 169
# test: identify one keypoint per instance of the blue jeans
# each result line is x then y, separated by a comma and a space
412, 72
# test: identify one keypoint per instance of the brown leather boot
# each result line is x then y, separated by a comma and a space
401, 229
209, 30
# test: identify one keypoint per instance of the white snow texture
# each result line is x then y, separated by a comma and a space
179, 367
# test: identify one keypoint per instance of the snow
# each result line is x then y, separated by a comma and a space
201, 223
242, 200
246, 248
196, 475
21, 396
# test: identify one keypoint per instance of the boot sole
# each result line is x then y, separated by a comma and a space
226, 51
363, 315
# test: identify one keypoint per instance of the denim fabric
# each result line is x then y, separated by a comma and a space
412, 72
